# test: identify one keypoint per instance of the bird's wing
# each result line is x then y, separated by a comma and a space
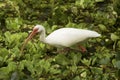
69, 36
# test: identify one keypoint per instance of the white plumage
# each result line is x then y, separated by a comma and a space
69, 36
64, 37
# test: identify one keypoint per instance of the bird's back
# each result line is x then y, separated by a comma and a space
69, 36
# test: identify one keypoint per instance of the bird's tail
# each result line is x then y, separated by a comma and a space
94, 34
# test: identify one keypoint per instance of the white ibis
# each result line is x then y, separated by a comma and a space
64, 37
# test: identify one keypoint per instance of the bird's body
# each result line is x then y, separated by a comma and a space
64, 37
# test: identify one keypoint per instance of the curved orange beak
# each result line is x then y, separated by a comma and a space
29, 38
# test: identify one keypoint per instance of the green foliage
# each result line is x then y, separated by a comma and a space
13, 24
39, 61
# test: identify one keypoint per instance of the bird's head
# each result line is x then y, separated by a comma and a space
36, 29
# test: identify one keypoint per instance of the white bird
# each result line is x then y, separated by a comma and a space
64, 37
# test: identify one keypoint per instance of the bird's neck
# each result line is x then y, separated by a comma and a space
42, 36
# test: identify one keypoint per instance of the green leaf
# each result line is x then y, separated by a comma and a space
117, 64
12, 66
86, 61
76, 78
114, 37
1, 59
7, 37
102, 27
29, 66
104, 61
73, 68
12, 40
45, 65
118, 44
55, 71
97, 70
13, 23
61, 59
42, 67
15, 51
94, 60
99, 0
66, 72
70, 24
21, 65
4, 73
3, 52
2, 5
83, 74
54, 27
75, 58
4, 70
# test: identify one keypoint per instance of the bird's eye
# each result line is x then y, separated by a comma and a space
35, 29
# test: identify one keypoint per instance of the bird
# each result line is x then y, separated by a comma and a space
63, 37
